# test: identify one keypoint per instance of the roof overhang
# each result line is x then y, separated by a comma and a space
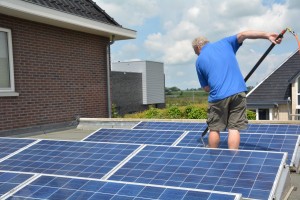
270, 104
36, 13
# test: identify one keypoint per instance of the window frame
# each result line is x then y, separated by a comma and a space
11, 90
298, 92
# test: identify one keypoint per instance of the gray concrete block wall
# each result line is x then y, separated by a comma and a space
126, 90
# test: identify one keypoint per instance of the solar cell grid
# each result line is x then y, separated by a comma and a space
292, 129
10, 145
273, 128
10, 180
136, 136
82, 159
48, 187
171, 126
252, 141
250, 173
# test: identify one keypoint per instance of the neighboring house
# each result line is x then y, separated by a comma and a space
136, 85
278, 96
54, 62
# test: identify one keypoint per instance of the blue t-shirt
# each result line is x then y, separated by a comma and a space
217, 67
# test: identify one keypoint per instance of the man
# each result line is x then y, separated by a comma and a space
219, 74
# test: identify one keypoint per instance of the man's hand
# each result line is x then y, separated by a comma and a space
272, 37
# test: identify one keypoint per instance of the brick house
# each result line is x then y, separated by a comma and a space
54, 62
277, 97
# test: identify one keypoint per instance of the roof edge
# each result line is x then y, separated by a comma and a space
37, 13
249, 93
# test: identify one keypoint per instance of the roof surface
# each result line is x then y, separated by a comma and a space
83, 8
277, 87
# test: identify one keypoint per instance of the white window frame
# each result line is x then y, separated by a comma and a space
270, 113
9, 91
298, 94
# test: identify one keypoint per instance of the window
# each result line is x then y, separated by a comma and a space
264, 114
7, 85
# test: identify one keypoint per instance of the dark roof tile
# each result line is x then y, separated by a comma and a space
83, 8
277, 87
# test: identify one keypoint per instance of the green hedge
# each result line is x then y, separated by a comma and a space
196, 111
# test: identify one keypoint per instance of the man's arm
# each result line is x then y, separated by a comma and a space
206, 88
258, 35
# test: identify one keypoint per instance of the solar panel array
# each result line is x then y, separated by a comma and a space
148, 163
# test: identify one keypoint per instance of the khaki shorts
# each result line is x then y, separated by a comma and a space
229, 113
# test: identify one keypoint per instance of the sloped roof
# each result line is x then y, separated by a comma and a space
83, 8
79, 15
276, 88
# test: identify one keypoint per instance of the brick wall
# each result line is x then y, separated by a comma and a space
59, 73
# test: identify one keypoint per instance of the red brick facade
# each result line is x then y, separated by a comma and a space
59, 73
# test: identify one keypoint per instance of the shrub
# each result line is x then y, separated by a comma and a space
197, 113
153, 113
174, 112
251, 115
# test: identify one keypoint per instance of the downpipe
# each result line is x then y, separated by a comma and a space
108, 68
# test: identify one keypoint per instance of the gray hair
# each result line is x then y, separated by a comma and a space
200, 41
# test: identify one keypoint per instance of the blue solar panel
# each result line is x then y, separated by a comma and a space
182, 126
10, 180
252, 128
273, 128
47, 187
252, 141
10, 145
251, 173
157, 137
81, 159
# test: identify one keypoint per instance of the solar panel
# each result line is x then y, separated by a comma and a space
182, 126
252, 128
273, 128
136, 136
252, 173
10, 180
49, 187
253, 141
10, 145
81, 159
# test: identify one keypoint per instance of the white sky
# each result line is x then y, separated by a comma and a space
165, 29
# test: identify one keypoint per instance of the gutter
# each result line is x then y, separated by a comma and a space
108, 68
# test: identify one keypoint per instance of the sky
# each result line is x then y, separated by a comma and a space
166, 28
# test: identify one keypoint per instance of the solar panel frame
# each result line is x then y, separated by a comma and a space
162, 167
254, 141
135, 136
60, 187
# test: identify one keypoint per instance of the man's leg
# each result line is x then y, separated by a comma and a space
233, 139
213, 139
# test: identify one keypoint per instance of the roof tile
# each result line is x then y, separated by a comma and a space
83, 8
